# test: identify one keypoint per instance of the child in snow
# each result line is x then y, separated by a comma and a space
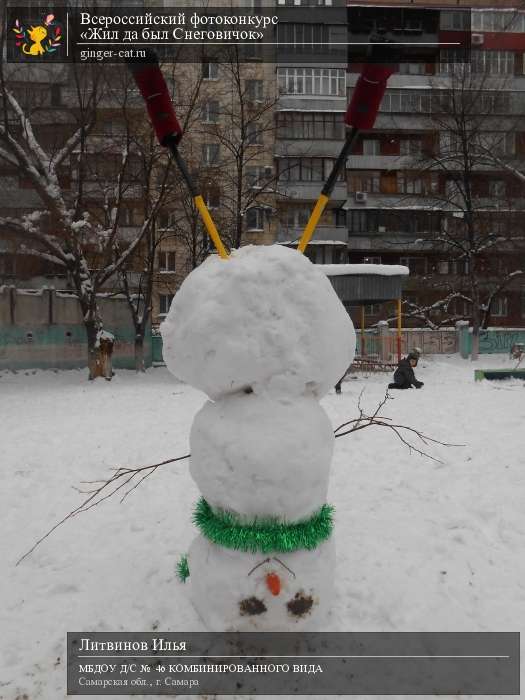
404, 377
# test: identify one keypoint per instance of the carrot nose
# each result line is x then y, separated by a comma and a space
273, 583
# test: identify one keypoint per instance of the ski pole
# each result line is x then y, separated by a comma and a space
361, 114
153, 88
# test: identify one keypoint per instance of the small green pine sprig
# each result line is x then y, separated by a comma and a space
183, 570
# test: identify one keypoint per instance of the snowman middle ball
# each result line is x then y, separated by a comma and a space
261, 457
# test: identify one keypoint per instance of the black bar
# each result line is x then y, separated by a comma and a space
340, 162
181, 164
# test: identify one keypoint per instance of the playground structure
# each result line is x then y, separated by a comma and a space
360, 285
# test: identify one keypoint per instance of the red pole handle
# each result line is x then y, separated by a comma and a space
153, 88
368, 94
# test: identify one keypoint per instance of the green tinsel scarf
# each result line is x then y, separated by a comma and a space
263, 535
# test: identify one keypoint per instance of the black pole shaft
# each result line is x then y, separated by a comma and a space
340, 162
183, 168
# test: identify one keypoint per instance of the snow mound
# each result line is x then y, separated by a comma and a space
260, 457
265, 319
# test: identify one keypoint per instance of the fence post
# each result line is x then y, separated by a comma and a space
462, 330
384, 341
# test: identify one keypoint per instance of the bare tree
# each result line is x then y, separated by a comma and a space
78, 224
227, 143
481, 227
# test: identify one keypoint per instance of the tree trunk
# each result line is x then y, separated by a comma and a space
139, 353
92, 329
476, 325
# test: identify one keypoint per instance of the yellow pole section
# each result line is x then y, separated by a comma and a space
312, 222
210, 226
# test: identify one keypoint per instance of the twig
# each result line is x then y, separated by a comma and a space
121, 477
124, 476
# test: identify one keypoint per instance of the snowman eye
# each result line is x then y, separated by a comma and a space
252, 606
300, 604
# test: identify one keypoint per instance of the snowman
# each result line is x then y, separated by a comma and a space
264, 335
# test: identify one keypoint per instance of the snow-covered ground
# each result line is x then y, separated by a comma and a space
421, 545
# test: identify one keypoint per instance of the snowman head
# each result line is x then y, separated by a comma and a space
256, 592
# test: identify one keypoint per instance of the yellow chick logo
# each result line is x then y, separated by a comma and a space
39, 40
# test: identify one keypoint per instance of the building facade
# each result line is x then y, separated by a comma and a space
397, 202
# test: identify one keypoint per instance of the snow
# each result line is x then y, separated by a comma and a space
420, 545
363, 269
265, 319
258, 456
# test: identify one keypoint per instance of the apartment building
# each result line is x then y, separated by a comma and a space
394, 204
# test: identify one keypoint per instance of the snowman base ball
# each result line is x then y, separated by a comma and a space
265, 336
236, 591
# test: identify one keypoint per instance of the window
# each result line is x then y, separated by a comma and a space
340, 217
212, 197
312, 81
167, 261
497, 188
254, 90
297, 217
255, 219
410, 147
501, 143
363, 221
442, 267
412, 68
365, 182
372, 260
7, 265
498, 21
413, 101
210, 70
165, 303
458, 20
417, 266
165, 220
500, 307
253, 135
256, 175
371, 147
306, 169
210, 112
372, 309
492, 62
310, 125
210, 153
407, 184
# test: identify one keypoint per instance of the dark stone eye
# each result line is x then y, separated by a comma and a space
252, 606
300, 604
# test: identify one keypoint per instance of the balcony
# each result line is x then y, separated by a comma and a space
312, 103
329, 235
309, 191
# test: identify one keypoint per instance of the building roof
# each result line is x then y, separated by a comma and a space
364, 269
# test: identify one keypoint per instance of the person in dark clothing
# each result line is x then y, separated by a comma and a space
404, 377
